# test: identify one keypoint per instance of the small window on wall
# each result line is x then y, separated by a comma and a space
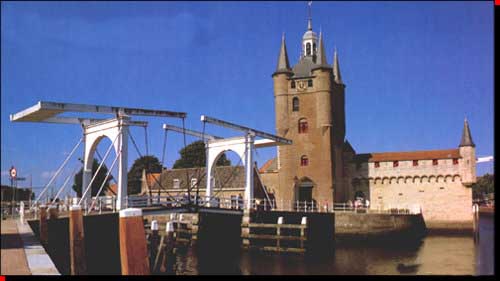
309, 83
308, 49
292, 84
304, 161
434, 162
415, 162
303, 126
358, 166
455, 161
395, 163
377, 164
177, 183
295, 104
442, 187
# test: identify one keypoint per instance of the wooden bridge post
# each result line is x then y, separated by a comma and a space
78, 261
133, 248
153, 242
194, 228
302, 231
278, 234
43, 228
245, 229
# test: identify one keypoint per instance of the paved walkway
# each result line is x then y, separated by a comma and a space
14, 261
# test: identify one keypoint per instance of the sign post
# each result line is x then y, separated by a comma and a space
13, 175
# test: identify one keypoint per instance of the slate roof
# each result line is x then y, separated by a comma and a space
408, 155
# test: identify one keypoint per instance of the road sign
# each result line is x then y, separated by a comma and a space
13, 172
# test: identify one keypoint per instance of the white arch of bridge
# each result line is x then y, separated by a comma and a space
116, 130
244, 147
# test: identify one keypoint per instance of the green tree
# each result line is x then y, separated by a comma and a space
193, 155
485, 184
149, 163
77, 183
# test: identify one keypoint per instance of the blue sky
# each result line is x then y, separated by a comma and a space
413, 71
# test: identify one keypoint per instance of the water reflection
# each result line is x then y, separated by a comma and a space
448, 255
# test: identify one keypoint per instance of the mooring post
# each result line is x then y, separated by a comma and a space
303, 222
78, 262
153, 242
278, 233
194, 228
43, 229
133, 248
245, 228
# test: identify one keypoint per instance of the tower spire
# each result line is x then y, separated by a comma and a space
283, 64
336, 68
321, 59
466, 136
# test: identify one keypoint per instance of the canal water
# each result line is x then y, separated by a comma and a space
443, 254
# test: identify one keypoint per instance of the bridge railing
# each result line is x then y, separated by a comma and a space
108, 203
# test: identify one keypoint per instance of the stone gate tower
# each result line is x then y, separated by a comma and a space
310, 110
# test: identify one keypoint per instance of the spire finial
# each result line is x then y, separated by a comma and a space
309, 19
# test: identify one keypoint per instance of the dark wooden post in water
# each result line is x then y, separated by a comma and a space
278, 233
475, 221
245, 229
133, 248
153, 243
43, 229
303, 232
78, 260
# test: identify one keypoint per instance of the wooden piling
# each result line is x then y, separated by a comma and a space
78, 262
133, 248
278, 233
43, 228
153, 243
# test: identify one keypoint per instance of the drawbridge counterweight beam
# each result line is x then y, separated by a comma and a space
237, 127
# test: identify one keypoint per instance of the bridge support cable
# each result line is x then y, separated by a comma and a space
155, 179
256, 170
65, 183
100, 160
99, 168
58, 171
104, 181
188, 183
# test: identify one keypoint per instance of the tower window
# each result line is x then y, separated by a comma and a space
309, 83
314, 47
415, 162
304, 161
395, 163
308, 49
292, 85
455, 161
434, 162
295, 104
303, 126
377, 164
